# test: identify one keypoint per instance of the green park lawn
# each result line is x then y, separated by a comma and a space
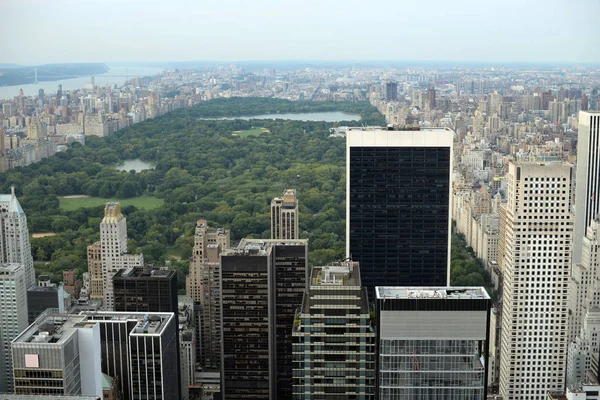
251, 132
147, 203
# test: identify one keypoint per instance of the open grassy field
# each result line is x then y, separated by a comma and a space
148, 203
251, 132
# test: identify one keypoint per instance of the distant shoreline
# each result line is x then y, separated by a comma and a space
25, 75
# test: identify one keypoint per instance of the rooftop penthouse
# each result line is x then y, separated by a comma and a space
431, 293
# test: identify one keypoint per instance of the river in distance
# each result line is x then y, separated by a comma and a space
114, 76
327, 116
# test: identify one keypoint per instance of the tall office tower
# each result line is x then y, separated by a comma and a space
538, 231
284, 216
13, 316
154, 291
398, 205
113, 241
137, 291
203, 237
262, 285
587, 184
141, 349
59, 93
203, 285
432, 343
187, 344
58, 354
14, 235
431, 97
334, 341
391, 91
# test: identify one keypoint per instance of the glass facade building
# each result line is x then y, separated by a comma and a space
432, 343
334, 340
262, 284
398, 205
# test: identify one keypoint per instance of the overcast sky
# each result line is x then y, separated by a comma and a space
42, 31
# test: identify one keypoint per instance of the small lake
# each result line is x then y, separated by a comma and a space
137, 165
328, 116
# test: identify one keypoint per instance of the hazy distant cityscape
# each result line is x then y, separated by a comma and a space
320, 200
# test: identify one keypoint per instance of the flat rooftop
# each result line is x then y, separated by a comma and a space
399, 292
375, 136
346, 273
407, 128
156, 325
137, 272
259, 247
52, 327
52, 289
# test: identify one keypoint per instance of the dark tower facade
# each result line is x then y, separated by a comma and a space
138, 291
391, 91
398, 205
262, 285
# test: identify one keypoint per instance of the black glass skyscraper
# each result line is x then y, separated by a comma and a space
398, 205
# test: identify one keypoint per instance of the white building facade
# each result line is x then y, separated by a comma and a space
13, 316
113, 242
14, 235
537, 260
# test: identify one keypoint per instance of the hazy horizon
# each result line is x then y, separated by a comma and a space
234, 31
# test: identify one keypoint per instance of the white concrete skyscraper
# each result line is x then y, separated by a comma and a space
14, 235
284, 216
587, 189
13, 316
536, 267
113, 241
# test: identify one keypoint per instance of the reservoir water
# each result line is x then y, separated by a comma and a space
114, 76
327, 116
137, 165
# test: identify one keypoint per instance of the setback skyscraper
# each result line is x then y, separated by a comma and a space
203, 286
398, 205
113, 242
538, 230
334, 340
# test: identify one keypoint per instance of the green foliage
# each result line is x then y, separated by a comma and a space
202, 171
466, 269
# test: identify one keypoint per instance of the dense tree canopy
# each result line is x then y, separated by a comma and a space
202, 171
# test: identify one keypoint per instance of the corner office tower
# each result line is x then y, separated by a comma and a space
398, 205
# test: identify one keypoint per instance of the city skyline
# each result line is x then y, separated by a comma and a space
234, 30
